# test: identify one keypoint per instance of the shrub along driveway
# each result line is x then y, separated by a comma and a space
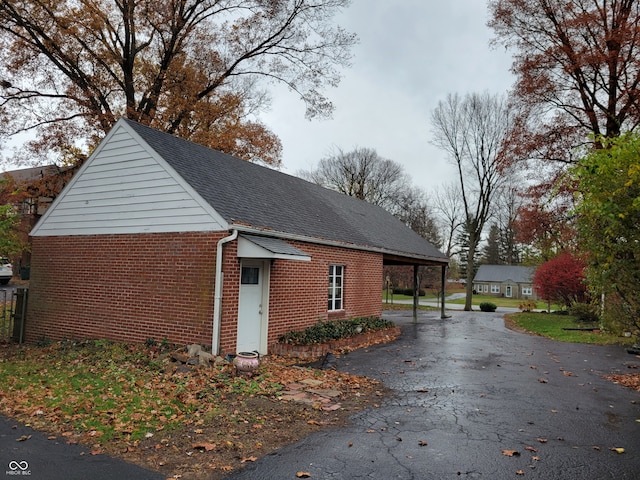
473, 399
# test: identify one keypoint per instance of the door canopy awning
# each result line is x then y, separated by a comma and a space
253, 246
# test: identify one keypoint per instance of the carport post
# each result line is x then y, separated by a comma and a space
443, 285
416, 289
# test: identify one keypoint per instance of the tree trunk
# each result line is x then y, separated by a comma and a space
473, 245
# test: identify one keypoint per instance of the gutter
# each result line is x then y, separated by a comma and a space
217, 300
337, 243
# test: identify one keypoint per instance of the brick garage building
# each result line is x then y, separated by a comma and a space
157, 237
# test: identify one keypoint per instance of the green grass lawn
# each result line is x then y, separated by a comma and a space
552, 326
502, 302
477, 300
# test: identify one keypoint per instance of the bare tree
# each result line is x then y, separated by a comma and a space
473, 131
363, 174
413, 208
448, 206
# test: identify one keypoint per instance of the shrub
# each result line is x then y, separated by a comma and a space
323, 332
488, 307
407, 291
619, 317
527, 306
584, 313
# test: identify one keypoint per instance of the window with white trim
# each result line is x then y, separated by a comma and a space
527, 291
495, 288
336, 281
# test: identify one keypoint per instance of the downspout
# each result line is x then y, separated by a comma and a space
217, 299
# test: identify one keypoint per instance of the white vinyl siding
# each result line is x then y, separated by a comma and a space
126, 188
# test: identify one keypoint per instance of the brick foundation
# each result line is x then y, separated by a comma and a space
320, 349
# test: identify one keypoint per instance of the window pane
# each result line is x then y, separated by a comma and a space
335, 287
250, 275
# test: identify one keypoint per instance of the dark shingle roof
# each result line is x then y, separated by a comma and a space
502, 273
252, 195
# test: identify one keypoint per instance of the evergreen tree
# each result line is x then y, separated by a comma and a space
492, 251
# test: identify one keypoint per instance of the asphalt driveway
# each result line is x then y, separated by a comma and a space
466, 390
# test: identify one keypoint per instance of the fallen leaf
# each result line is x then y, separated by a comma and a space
371, 431
206, 446
543, 380
248, 459
303, 474
23, 438
96, 451
617, 450
531, 449
535, 458
542, 440
520, 472
422, 443
511, 453
596, 448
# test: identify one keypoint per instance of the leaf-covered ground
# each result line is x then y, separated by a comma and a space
134, 402
631, 380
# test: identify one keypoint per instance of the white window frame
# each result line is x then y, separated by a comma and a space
527, 291
495, 288
336, 288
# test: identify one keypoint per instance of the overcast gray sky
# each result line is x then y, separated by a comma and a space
411, 54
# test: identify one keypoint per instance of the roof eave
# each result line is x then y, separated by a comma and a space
401, 257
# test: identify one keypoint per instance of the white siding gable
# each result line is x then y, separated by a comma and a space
126, 187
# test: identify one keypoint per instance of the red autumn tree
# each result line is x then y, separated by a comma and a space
561, 280
577, 68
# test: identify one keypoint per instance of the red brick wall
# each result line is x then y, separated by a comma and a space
123, 287
299, 290
135, 287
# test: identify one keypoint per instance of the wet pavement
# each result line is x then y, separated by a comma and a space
472, 399
25, 453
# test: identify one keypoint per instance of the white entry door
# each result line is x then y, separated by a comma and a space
252, 308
